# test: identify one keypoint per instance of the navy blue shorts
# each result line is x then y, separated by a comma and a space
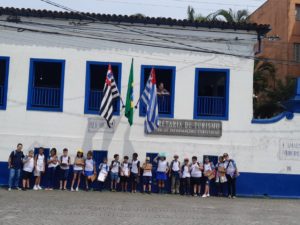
26, 175
161, 176
64, 174
147, 180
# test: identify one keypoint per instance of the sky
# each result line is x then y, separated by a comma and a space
153, 8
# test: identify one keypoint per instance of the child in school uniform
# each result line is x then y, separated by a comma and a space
161, 173
196, 174
77, 169
221, 179
64, 169
114, 172
147, 175
39, 168
209, 172
134, 172
125, 173
53, 162
28, 167
175, 174
186, 177
103, 172
89, 170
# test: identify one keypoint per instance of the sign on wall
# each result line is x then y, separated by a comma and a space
195, 128
289, 149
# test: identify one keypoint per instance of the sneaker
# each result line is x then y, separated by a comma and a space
9, 189
229, 196
39, 187
207, 195
24, 189
77, 189
19, 189
72, 189
204, 196
195, 195
233, 197
50, 189
35, 188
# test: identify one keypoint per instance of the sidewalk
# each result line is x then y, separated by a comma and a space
65, 207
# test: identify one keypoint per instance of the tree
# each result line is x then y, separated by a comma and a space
192, 17
229, 16
264, 74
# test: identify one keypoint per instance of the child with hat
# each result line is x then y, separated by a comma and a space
77, 169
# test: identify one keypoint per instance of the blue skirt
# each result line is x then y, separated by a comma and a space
88, 173
161, 176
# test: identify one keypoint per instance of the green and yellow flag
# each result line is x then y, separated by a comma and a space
129, 97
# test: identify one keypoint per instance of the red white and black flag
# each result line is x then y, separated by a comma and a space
110, 93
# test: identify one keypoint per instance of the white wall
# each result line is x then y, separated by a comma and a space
255, 147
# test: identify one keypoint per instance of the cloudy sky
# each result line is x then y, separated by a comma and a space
155, 8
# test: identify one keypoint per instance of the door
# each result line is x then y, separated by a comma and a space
98, 156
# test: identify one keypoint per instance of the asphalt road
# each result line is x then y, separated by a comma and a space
64, 207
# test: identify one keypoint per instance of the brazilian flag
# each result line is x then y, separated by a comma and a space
129, 97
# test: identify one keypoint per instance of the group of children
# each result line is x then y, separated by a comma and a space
186, 179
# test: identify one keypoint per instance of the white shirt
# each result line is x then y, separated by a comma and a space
29, 165
207, 167
64, 160
175, 166
134, 166
40, 162
115, 167
51, 165
104, 168
195, 170
186, 173
76, 167
125, 169
162, 166
89, 165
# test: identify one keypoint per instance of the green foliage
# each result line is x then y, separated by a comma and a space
269, 91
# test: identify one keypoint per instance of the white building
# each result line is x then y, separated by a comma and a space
56, 64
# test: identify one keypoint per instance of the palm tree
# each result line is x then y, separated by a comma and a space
192, 17
229, 16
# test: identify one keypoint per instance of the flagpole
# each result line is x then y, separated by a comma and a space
123, 106
136, 105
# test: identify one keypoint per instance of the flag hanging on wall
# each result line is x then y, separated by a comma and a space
129, 97
110, 93
149, 97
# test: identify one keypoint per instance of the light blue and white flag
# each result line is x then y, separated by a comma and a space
149, 97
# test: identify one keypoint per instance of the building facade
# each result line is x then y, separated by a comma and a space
53, 67
284, 19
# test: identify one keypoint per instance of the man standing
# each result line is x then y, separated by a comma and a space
15, 165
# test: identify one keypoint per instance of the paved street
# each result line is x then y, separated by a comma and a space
57, 207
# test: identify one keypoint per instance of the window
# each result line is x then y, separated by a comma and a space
165, 78
46, 85
297, 52
211, 94
95, 79
4, 64
297, 12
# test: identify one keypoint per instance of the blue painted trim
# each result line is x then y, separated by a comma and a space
142, 86
287, 115
6, 59
31, 83
87, 86
227, 72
